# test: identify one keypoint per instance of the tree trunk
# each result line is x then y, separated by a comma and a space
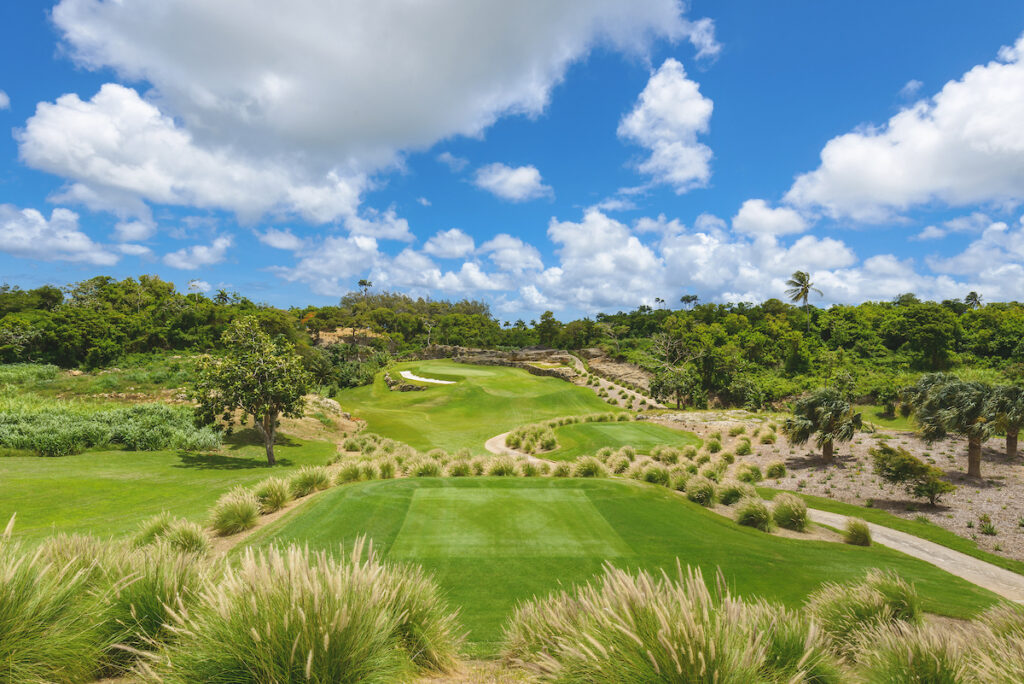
269, 429
826, 451
1011, 441
974, 457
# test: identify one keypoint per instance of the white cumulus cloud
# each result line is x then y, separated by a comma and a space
280, 239
197, 256
5, 100
449, 244
28, 233
963, 146
755, 217
667, 119
516, 184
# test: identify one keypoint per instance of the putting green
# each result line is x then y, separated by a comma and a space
586, 438
491, 542
483, 402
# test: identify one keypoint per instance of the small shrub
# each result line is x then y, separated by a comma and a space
272, 493
459, 468
679, 480
308, 479
988, 528
369, 471
152, 529
235, 512
748, 472
737, 430
529, 469
790, 512
561, 470
187, 537
503, 466
714, 446
423, 467
700, 490
588, 466
752, 512
776, 470
349, 472
656, 474
387, 467
768, 438
744, 448
731, 491
618, 464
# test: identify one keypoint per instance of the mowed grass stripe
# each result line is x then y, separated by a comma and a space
517, 523
660, 527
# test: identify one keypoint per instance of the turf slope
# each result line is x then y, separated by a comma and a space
493, 541
586, 438
483, 402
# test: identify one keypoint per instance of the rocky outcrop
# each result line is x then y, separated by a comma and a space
400, 385
533, 361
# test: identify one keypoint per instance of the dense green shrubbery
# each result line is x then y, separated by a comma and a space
55, 428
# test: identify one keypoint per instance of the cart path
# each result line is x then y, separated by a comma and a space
998, 580
496, 445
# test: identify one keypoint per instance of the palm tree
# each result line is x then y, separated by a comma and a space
1006, 408
943, 404
800, 288
365, 285
973, 300
827, 414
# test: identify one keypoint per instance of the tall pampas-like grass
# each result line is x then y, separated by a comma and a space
296, 615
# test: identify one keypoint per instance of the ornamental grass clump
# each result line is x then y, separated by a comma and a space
423, 467
789, 512
187, 537
387, 467
152, 529
308, 479
503, 466
731, 491
272, 493
588, 466
656, 474
857, 532
748, 472
654, 628
844, 612
235, 512
700, 490
561, 470
459, 468
776, 470
350, 472
901, 652
295, 615
618, 464
752, 512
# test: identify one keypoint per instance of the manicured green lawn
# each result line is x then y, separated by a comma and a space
586, 438
110, 492
875, 414
483, 402
494, 541
925, 530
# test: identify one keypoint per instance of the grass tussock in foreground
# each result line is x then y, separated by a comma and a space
78, 609
642, 627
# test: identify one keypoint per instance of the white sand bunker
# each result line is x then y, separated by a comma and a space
409, 375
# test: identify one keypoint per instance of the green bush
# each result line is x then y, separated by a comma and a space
588, 466
308, 479
789, 512
700, 490
235, 512
857, 532
187, 537
775, 470
731, 491
844, 612
748, 472
752, 512
459, 468
272, 493
898, 466
152, 529
296, 615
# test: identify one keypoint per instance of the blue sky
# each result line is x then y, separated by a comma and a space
580, 156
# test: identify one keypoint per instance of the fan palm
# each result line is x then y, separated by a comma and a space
800, 288
827, 414
942, 405
1006, 408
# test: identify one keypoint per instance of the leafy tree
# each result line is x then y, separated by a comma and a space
942, 404
1006, 408
548, 329
899, 467
689, 300
826, 416
258, 377
678, 383
799, 289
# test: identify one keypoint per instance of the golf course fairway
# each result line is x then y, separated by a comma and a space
491, 542
483, 401
581, 439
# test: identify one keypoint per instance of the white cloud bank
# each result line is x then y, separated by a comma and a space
198, 256
29, 234
964, 146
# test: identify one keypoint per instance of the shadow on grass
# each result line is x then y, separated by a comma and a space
249, 437
224, 462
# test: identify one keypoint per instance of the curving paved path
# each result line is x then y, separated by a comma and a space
1007, 584
496, 445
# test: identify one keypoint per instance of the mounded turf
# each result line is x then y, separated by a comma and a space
586, 438
483, 402
493, 541
109, 492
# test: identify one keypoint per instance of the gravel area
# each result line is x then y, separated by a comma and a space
998, 495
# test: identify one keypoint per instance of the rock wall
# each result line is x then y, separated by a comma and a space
523, 358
